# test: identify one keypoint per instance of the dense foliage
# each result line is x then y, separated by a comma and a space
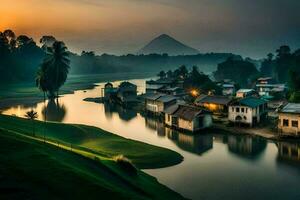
19, 57
54, 69
240, 71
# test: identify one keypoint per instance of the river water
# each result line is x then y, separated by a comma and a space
215, 166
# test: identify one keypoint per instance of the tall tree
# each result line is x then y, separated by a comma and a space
267, 66
56, 66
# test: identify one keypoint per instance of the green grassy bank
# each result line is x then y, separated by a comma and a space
31, 169
94, 140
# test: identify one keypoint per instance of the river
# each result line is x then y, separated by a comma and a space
215, 166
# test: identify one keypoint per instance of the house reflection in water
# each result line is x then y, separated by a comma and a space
124, 114
156, 125
289, 151
197, 144
246, 146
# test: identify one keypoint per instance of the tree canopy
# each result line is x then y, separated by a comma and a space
238, 70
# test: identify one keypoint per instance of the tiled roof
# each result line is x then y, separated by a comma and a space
251, 102
223, 100
186, 112
291, 108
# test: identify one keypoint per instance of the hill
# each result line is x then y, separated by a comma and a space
165, 44
33, 169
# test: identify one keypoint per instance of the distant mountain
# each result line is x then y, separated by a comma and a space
166, 44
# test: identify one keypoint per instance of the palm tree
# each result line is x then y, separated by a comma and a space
42, 84
58, 64
32, 115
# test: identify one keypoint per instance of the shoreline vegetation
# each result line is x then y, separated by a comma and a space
82, 157
27, 94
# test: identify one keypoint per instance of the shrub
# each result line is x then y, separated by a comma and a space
126, 164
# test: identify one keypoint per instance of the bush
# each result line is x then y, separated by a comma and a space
126, 164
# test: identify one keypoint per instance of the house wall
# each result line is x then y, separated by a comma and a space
154, 106
216, 108
206, 122
184, 124
288, 129
168, 119
246, 116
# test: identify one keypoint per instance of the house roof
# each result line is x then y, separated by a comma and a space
186, 112
152, 96
245, 90
251, 102
264, 78
291, 108
223, 100
126, 84
160, 97
166, 98
226, 85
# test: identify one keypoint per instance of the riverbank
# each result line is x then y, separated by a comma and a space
95, 140
27, 94
32, 168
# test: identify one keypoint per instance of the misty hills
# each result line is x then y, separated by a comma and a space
165, 44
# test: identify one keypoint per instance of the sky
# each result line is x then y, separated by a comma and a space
248, 27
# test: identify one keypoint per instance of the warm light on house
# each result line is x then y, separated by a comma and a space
194, 93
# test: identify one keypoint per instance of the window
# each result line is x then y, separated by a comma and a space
246, 110
243, 110
285, 122
237, 109
295, 124
232, 109
294, 152
169, 117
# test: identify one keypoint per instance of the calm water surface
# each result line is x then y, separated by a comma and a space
215, 166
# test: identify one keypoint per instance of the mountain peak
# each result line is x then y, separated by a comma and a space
167, 44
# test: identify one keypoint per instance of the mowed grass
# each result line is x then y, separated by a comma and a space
95, 140
31, 169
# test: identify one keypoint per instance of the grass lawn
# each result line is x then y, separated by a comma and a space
31, 169
95, 140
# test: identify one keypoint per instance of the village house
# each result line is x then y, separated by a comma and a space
289, 120
187, 117
228, 89
164, 84
175, 91
109, 91
242, 93
157, 103
127, 92
216, 104
250, 111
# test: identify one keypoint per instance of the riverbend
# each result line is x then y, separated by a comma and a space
216, 165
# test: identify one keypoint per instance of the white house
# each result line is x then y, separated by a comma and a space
188, 118
250, 110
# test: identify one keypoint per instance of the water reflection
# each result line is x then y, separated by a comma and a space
288, 154
123, 113
197, 143
246, 146
54, 111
